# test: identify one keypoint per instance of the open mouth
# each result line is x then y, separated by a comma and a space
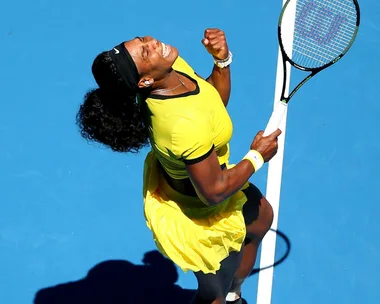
165, 50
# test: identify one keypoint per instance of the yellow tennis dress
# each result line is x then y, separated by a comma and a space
185, 128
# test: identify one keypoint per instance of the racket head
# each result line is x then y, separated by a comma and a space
324, 31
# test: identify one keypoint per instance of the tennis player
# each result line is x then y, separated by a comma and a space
203, 212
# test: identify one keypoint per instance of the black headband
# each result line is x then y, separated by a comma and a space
125, 66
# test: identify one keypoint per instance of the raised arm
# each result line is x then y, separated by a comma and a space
215, 42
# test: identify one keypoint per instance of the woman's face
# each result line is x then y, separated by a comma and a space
152, 57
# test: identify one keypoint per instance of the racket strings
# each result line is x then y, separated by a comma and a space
319, 22
324, 29
324, 26
321, 55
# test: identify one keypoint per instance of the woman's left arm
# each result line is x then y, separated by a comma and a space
215, 42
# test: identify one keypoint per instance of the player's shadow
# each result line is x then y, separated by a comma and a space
119, 281
122, 282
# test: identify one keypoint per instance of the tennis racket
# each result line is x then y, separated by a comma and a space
324, 31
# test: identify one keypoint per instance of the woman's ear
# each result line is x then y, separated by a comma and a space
145, 83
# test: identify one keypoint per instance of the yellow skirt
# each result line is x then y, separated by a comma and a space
194, 236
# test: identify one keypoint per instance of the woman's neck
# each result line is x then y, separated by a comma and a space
173, 84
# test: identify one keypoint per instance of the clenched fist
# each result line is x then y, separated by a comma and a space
215, 42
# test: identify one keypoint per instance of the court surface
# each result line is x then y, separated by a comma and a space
71, 220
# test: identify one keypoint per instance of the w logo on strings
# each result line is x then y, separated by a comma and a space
311, 22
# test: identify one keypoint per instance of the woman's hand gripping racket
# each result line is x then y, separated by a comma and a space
324, 31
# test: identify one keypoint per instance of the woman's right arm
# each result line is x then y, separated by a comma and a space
213, 185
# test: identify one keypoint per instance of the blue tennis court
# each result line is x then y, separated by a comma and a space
72, 228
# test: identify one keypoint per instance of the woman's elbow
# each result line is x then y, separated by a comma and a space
214, 197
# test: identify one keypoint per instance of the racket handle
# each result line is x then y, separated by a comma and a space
276, 118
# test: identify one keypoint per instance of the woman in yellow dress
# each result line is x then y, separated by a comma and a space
203, 212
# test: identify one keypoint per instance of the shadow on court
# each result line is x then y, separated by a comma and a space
119, 281
283, 247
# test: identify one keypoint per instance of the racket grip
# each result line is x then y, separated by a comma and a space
276, 118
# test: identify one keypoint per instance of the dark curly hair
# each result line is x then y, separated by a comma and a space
111, 115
